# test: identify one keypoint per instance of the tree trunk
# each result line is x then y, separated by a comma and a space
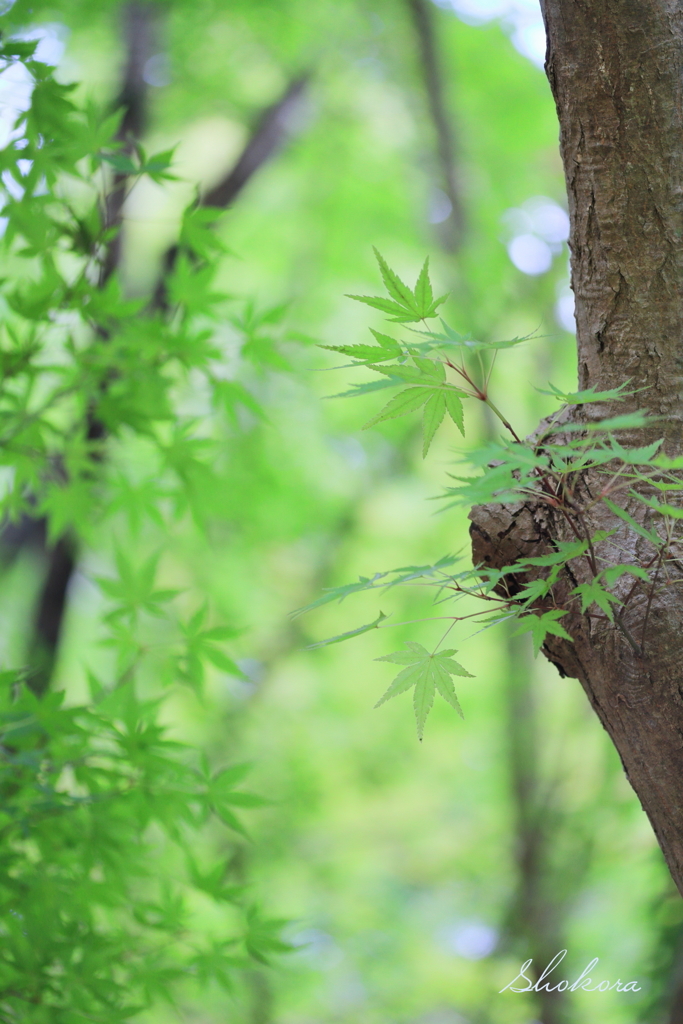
616, 71
538, 914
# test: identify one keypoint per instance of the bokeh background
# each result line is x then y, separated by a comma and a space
415, 877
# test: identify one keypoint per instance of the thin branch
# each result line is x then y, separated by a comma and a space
275, 126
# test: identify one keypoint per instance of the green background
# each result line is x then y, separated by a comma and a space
396, 862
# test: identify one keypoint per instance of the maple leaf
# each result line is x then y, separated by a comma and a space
428, 673
406, 306
540, 625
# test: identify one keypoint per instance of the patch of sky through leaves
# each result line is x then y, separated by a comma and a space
16, 84
520, 18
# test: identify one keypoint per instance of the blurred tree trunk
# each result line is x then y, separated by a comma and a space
676, 1000
616, 71
423, 17
538, 914
139, 38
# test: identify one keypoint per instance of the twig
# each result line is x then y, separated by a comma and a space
275, 126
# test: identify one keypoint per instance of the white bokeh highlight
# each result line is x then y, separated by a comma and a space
564, 310
530, 254
534, 233
440, 207
16, 84
157, 71
542, 217
472, 940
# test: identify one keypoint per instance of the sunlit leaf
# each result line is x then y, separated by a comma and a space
427, 673
395, 286
455, 409
424, 296
433, 414
400, 405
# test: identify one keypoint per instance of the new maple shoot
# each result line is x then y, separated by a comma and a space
616, 74
547, 471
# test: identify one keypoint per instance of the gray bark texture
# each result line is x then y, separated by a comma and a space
616, 72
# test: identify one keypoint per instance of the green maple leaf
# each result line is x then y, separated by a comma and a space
401, 404
424, 296
540, 625
434, 412
405, 305
200, 647
594, 592
395, 286
428, 673
368, 353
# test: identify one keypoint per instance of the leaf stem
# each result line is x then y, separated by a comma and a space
591, 549
496, 412
637, 649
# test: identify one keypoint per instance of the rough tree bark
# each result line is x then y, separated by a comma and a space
616, 71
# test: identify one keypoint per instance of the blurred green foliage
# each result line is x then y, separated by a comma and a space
396, 863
